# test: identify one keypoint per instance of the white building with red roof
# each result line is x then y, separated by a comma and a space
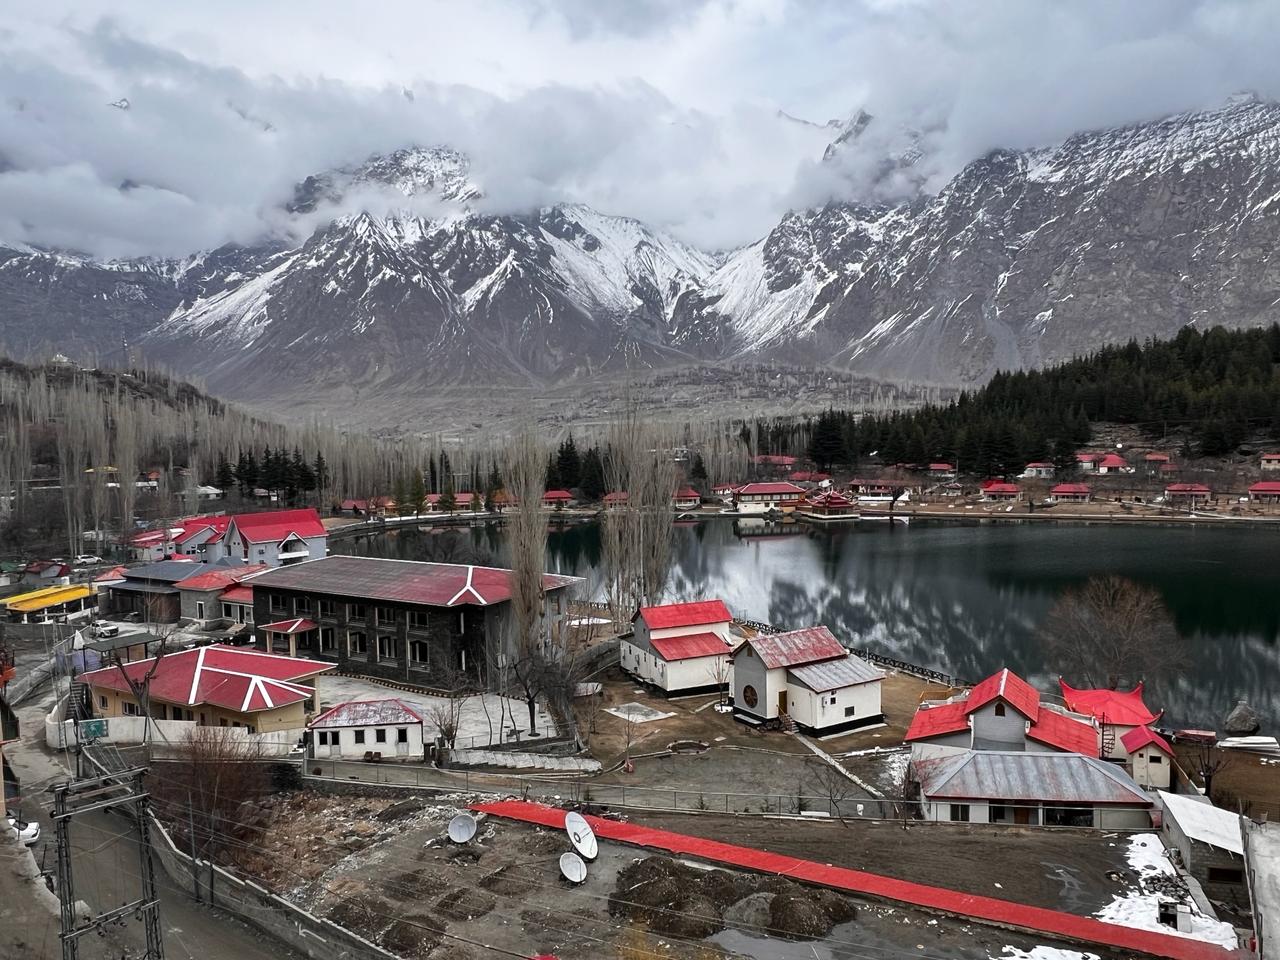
1111, 463
1269, 462
1117, 712
807, 678
764, 496
374, 729
216, 686
1150, 758
680, 648
686, 498
1003, 712
274, 538
1038, 470
1265, 491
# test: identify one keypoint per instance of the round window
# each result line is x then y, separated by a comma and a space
749, 696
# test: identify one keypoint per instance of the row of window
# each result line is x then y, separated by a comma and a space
333, 738
388, 647
356, 612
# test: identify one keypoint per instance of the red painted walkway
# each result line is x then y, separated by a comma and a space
1037, 919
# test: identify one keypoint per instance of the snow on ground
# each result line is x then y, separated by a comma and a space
1140, 910
1047, 953
588, 621
637, 713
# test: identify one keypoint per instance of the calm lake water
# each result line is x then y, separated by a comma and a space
963, 599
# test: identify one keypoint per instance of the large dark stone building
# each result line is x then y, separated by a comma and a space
420, 623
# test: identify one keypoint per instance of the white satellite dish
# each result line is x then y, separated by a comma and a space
462, 828
572, 868
581, 835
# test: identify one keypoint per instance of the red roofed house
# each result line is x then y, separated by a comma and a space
197, 531
216, 686
680, 648
773, 462
1155, 462
387, 729
807, 678
686, 498
1000, 491
942, 471
1088, 462
402, 620
1070, 493
1269, 462
557, 499
1265, 491
1113, 463
1116, 711
1187, 494
1003, 712
829, 505
275, 538
1150, 760
762, 497
200, 595
813, 477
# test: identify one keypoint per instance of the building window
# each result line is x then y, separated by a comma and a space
326, 608
419, 620
386, 648
327, 639
402, 734
355, 611
1155, 758
277, 603
848, 711
322, 738
226, 611
302, 607
1226, 875
131, 709
357, 645
386, 616
199, 609
998, 813
222, 721
380, 735
749, 695
418, 651
960, 813
1068, 816
999, 709
102, 702
359, 736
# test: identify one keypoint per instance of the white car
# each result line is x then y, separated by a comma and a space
105, 628
87, 559
28, 833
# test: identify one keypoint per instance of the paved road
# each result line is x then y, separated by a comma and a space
105, 863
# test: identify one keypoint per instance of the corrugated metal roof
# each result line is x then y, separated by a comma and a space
51, 599
1201, 820
796, 647
367, 713
834, 674
170, 571
1062, 778
689, 646
694, 614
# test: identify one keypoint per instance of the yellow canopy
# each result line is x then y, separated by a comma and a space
31, 595
52, 598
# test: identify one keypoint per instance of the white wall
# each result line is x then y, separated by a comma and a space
721, 630
60, 734
1150, 767
676, 675
347, 747
816, 710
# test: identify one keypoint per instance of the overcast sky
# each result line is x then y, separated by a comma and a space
667, 111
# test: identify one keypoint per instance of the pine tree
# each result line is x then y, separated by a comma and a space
568, 464
224, 477
417, 490
400, 493
698, 472
592, 482
448, 501
553, 474
826, 447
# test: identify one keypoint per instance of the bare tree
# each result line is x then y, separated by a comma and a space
531, 662
446, 711
1113, 630
719, 671
835, 786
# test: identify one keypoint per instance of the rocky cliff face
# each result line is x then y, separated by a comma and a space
1022, 259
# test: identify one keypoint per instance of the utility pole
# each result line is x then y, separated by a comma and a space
100, 793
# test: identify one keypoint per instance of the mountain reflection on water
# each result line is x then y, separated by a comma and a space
963, 599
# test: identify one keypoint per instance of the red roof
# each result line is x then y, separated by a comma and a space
938, 720
686, 493
1009, 687
1156, 458
830, 498
297, 625
810, 476
149, 537
1088, 457
1113, 460
1001, 488
115, 573
193, 525
1271, 456
771, 488
219, 578
1066, 488
1186, 488
231, 677
557, 495
460, 498
795, 647
689, 646
240, 594
1065, 733
367, 713
275, 525
695, 614
774, 460
938, 467
1122, 707
1265, 486
1039, 464
618, 496
1139, 737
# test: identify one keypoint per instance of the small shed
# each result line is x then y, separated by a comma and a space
1150, 760
1208, 841
388, 729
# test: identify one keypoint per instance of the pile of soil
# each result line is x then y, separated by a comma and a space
465, 903
414, 937
682, 901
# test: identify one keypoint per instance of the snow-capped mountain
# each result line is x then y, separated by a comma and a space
403, 280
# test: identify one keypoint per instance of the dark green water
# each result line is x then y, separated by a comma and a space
964, 599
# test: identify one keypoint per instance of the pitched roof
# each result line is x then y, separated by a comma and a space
771, 488
238, 594
232, 677
1061, 778
835, 674
1186, 488
1265, 486
1139, 737
1001, 487
938, 719
830, 498
1204, 822
1156, 458
193, 525
220, 577
404, 581
686, 493
274, 525
1113, 460
166, 571
689, 646
1009, 687
795, 647
115, 573
367, 713
941, 466
1123, 707
1062, 488
1066, 733
291, 626
557, 495
693, 614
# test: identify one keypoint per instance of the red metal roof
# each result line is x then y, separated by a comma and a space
557, 495
193, 525
618, 496
1265, 486
686, 493
1065, 733
219, 578
1186, 488
239, 594
1139, 737
1001, 488
1271, 456
115, 573
1064, 488
774, 460
1039, 464
367, 713
1009, 687
771, 488
795, 647
1088, 457
689, 646
810, 476
273, 526
1123, 707
1113, 460
694, 614
938, 720
290, 627
941, 466
232, 677
1156, 458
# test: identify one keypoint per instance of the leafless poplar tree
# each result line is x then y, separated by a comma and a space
531, 660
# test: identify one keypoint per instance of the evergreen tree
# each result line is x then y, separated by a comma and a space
826, 447
568, 464
698, 472
224, 477
417, 490
592, 482
400, 493
247, 474
320, 471
553, 474
448, 501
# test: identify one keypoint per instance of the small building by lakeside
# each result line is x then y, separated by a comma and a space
376, 729
680, 648
1187, 494
1071, 493
1265, 491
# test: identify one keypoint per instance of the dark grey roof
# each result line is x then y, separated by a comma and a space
142, 586
119, 642
834, 674
170, 571
1065, 778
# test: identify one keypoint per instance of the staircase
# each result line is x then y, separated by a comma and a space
78, 706
1108, 736
788, 725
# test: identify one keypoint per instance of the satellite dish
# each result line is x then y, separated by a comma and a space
462, 828
572, 868
581, 835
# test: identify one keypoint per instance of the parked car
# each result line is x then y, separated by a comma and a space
105, 628
87, 559
28, 833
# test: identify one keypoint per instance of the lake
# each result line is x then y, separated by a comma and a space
963, 599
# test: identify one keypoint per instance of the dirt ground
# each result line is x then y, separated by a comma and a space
1064, 870
386, 869
1248, 782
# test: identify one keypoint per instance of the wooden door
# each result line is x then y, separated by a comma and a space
782, 702
1022, 815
